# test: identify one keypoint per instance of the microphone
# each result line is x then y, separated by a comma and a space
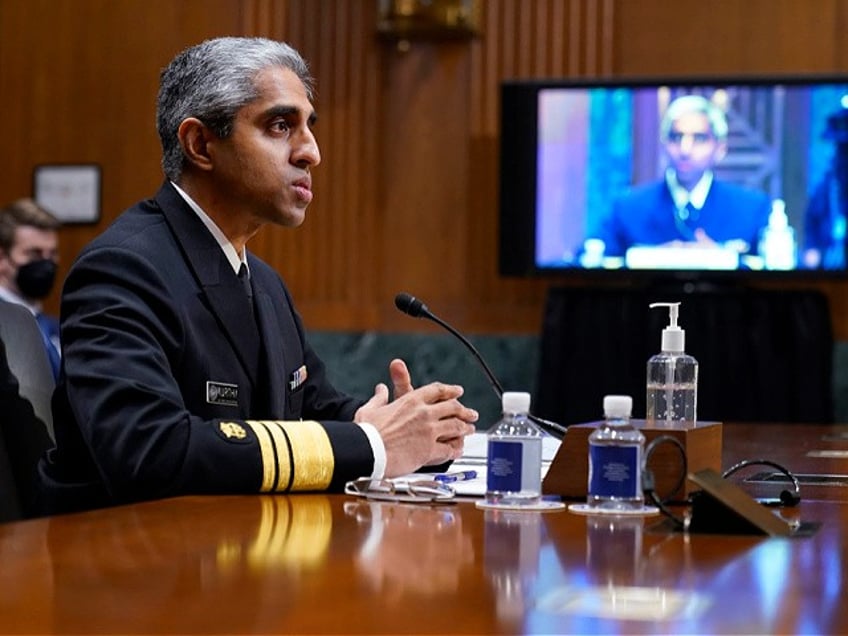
412, 306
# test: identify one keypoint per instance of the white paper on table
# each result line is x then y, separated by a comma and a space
474, 458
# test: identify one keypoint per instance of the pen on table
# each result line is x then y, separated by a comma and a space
463, 475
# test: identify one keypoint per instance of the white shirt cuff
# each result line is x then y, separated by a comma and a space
378, 449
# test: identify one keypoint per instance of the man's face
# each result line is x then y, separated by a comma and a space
692, 148
31, 244
262, 170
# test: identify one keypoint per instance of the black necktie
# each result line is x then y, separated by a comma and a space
245, 281
686, 219
259, 395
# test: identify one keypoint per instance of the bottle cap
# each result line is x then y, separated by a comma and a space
618, 405
515, 402
673, 337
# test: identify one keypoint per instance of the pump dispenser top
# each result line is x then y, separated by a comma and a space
673, 337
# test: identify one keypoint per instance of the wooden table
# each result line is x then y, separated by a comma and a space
320, 564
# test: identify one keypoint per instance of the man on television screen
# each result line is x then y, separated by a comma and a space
825, 222
689, 207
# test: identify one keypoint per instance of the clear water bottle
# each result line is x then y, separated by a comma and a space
514, 466
615, 458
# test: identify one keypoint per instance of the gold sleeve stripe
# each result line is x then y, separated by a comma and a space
312, 455
286, 459
282, 454
269, 459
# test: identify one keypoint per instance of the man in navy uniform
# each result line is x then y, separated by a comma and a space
186, 366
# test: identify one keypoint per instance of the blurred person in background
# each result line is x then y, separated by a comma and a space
29, 255
825, 220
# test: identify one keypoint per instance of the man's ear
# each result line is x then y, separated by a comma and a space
194, 138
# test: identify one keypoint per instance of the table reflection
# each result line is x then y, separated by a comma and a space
410, 548
621, 572
290, 533
613, 549
328, 564
256, 554
512, 542
268, 533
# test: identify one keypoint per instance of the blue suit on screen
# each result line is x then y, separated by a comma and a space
647, 215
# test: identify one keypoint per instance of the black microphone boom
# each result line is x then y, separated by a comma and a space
411, 306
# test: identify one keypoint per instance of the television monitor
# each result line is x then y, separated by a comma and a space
588, 167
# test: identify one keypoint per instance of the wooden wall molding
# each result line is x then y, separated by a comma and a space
407, 193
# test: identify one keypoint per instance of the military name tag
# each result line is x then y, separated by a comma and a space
221, 393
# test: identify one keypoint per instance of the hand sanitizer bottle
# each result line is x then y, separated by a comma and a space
777, 245
615, 458
672, 387
514, 466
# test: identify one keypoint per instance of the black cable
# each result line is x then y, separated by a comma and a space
787, 497
648, 484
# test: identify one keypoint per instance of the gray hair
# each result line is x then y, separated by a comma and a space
695, 104
212, 81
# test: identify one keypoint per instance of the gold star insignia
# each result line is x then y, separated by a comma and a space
231, 429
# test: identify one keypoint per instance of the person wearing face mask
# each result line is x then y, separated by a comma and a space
29, 241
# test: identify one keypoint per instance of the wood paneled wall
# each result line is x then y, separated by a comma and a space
407, 193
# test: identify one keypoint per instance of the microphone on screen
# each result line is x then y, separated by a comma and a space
412, 306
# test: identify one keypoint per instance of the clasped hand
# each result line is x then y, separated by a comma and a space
420, 427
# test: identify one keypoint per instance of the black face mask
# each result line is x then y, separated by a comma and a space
35, 279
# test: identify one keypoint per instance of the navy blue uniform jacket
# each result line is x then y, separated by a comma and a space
646, 216
170, 388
